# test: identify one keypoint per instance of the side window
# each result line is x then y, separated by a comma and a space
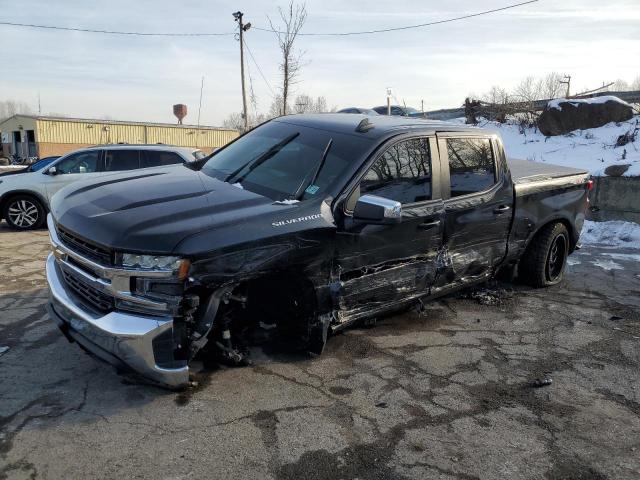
152, 158
472, 165
81, 162
116, 160
402, 173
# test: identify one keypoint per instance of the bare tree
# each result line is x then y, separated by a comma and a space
635, 85
527, 90
620, 85
321, 105
9, 108
551, 87
303, 104
496, 95
306, 104
234, 122
293, 19
275, 109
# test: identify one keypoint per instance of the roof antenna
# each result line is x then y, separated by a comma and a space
364, 126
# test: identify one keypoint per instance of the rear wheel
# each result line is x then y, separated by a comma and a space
24, 212
545, 260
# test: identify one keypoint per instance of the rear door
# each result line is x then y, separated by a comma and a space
80, 165
381, 265
120, 159
159, 158
478, 202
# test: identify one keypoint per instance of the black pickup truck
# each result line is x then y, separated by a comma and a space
308, 223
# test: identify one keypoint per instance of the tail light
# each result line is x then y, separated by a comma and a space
589, 185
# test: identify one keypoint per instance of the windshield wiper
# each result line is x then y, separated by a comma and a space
304, 185
261, 159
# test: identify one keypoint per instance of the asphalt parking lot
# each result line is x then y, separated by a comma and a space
444, 393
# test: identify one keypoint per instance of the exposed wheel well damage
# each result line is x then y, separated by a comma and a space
226, 314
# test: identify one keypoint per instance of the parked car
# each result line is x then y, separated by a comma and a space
309, 223
25, 196
34, 167
398, 110
365, 111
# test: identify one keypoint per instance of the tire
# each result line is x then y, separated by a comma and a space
544, 261
24, 212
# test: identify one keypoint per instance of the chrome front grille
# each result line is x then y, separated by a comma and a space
94, 297
83, 247
100, 284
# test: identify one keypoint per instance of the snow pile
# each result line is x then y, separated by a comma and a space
593, 149
555, 104
611, 234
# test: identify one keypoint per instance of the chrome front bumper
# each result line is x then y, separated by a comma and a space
122, 339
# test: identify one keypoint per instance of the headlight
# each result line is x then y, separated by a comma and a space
152, 262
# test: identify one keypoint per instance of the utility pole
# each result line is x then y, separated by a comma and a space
200, 105
567, 82
389, 93
243, 28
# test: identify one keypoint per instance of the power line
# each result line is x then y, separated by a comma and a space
114, 32
395, 29
273, 93
214, 34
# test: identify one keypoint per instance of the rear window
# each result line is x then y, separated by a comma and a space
471, 165
152, 158
117, 160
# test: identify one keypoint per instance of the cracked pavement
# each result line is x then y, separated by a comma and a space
444, 393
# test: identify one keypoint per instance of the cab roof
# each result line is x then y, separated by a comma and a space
382, 125
143, 146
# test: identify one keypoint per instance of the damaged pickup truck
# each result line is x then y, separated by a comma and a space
309, 223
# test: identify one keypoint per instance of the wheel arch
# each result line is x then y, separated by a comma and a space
4, 199
573, 235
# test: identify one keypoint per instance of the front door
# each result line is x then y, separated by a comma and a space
381, 266
80, 165
478, 205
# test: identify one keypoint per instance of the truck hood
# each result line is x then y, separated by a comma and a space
152, 210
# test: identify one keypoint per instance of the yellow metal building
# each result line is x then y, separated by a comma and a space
27, 136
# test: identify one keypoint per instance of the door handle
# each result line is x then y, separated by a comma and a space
428, 225
501, 209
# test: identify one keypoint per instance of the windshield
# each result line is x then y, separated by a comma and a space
284, 161
40, 164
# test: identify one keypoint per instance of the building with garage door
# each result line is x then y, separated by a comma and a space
41, 136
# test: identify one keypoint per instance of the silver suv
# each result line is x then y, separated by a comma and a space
24, 197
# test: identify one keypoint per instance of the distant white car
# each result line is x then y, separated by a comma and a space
24, 197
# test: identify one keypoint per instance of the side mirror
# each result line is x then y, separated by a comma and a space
52, 171
377, 210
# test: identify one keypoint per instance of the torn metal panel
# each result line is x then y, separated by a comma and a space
386, 282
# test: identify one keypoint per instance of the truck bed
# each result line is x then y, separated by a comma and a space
542, 192
526, 171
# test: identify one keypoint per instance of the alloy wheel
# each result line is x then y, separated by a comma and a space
556, 258
23, 213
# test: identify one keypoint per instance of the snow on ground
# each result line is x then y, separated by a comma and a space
611, 234
591, 149
607, 264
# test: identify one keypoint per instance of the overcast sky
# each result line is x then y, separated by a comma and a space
139, 78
